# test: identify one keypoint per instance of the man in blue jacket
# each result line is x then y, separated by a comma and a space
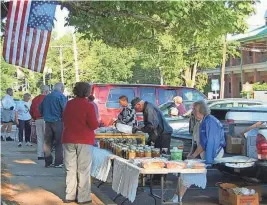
51, 109
212, 137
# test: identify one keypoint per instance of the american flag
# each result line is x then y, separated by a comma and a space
28, 33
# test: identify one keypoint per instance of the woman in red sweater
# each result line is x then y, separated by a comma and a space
79, 119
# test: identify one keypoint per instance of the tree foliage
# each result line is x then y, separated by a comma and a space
175, 37
126, 23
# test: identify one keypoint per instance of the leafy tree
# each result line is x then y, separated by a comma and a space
192, 29
106, 64
8, 73
125, 23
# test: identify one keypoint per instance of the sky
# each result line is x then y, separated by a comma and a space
253, 21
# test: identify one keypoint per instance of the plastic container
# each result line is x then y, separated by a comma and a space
176, 154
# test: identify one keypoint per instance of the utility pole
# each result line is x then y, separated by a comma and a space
223, 67
75, 58
241, 69
61, 59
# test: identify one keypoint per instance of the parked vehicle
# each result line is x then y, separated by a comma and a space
180, 124
234, 102
219, 109
235, 121
107, 95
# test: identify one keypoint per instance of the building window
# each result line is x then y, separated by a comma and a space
230, 87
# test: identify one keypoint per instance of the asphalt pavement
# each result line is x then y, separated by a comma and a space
26, 181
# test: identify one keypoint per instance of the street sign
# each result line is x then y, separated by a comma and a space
215, 86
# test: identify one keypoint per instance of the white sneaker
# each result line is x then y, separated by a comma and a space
26, 144
29, 144
20, 144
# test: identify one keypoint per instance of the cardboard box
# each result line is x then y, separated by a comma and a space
234, 145
257, 188
229, 198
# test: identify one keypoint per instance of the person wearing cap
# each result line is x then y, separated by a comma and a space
179, 105
155, 124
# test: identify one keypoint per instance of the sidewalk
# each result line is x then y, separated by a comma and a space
25, 180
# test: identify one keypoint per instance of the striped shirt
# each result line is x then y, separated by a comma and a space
127, 116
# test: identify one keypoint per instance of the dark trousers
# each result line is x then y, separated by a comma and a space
163, 141
53, 132
24, 125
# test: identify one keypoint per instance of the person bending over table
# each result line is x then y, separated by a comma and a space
80, 121
212, 139
155, 124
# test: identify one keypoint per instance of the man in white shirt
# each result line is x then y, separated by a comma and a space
23, 119
8, 107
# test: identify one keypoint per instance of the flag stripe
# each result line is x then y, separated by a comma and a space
24, 53
29, 45
34, 54
41, 54
32, 47
45, 50
10, 30
24, 33
25, 6
17, 31
7, 28
13, 35
36, 66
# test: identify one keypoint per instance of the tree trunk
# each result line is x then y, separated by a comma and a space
223, 67
194, 73
161, 76
187, 77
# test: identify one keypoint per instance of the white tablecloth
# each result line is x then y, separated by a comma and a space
125, 179
101, 164
126, 176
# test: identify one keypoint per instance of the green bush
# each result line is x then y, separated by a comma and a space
260, 86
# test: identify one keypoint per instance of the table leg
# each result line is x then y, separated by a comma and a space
119, 195
162, 190
100, 184
124, 201
179, 188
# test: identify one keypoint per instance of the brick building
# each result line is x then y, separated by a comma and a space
252, 65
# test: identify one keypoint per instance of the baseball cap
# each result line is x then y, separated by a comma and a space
135, 101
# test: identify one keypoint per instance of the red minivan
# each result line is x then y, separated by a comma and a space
107, 97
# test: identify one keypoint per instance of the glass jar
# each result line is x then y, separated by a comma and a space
132, 154
102, 144
156, 152
137, 152
148, 153
141, 153
124, 152
118, 150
